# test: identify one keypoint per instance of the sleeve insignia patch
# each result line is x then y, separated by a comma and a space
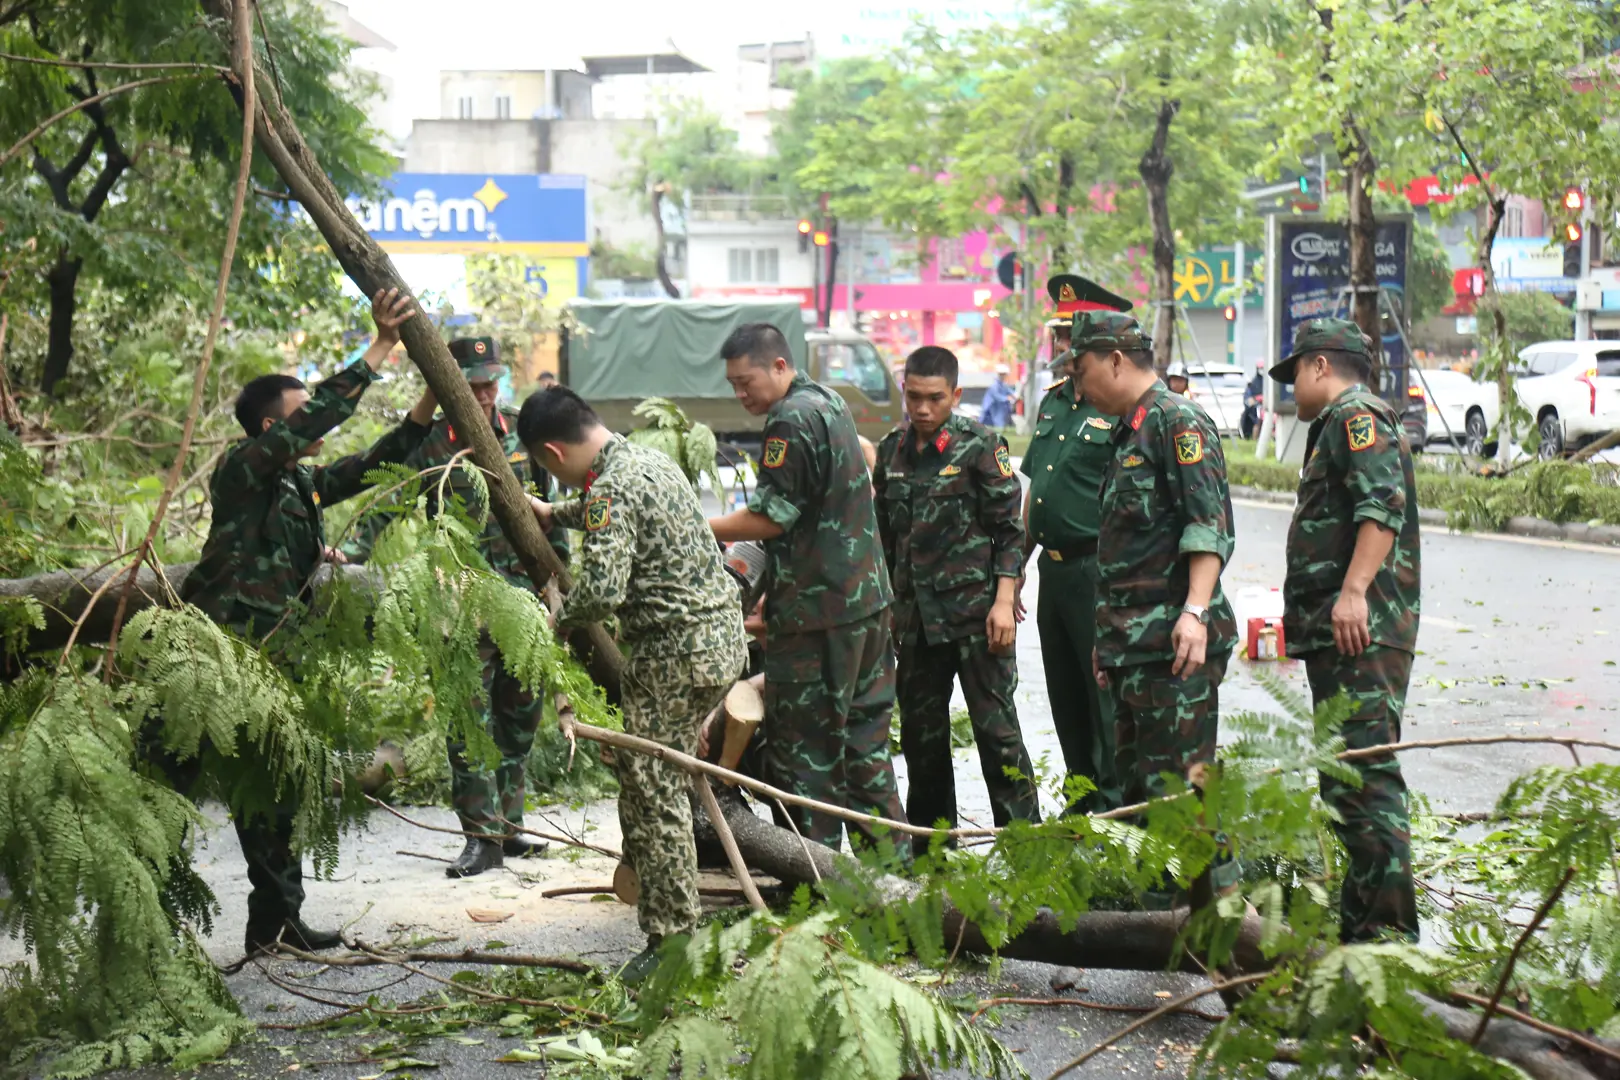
598, 512
1189, 448
950, 470
775, 453
1361, 430
1004, 461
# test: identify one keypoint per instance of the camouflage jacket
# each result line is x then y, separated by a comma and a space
1164, 498
266, 538
826, 569
441, 445
648, 554
1357, 468
950, 520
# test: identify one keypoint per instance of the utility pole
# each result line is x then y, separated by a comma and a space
1583, 317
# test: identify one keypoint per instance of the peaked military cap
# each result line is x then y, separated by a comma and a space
1073, 295
1323, 335
479, 358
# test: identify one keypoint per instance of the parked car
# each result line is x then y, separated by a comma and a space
1218, 390
1572, 389
1459, 407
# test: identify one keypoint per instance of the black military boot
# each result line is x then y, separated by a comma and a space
520, 847
643, 964
264, 936
479, 855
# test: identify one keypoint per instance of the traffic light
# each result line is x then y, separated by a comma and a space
821, 238
1230, 313
1304, 185
1572, 232
804, 235
1572, 258
1574, 199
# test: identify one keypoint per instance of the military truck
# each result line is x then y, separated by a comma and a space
621, 351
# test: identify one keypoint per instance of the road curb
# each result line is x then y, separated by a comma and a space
1538, 528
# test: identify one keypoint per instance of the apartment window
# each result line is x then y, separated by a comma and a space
739, 265
1512, 222
464, 108
767, 266
503, 106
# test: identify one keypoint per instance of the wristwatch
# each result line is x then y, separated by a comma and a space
1197, 611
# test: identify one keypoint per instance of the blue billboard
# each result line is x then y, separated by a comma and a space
1311, 278
468, 213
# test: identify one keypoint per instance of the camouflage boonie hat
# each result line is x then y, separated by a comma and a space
1323, 335
480, 360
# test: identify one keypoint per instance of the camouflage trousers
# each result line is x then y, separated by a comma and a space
1164, 724
1082, 711
926, 675
483, 798
666, 699
275, 871
829, 701
1378, 896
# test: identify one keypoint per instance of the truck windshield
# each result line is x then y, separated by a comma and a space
856, 364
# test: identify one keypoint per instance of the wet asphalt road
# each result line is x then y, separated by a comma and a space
1517, 637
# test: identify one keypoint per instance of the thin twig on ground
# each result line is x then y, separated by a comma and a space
990, 1003
609, 852
1166, 1008
1518, 946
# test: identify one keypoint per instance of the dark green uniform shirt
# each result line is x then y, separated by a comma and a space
1358, 468
951, 524
441, 445
1164, 498
1068, 451
826, 569
266, 537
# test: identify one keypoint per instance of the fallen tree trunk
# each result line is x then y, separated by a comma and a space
63, 595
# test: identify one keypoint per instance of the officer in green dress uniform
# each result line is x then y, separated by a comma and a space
1068, 450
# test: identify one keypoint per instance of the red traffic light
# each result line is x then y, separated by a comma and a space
1230, 313
1572, 232
804, 226
1574, 199
821, 238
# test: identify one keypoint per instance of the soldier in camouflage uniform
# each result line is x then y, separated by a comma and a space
1350, 606
829, 668
1069, 448
486, 801
948, 513
264, 545
649, 557
1164, 628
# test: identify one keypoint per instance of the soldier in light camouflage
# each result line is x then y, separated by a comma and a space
829, 670
948, 512
1164, 628
485, 800
649, 557
265, 542
1350, 606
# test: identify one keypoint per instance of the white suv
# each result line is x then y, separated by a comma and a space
1572, 389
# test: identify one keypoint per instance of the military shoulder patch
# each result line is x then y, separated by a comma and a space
950, 470
775, 453
1004, 461
598, 512
1361, 430
1189, 448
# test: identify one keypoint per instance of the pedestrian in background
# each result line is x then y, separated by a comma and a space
1165, 630
948, 514
829, 670
996, 410
1350, 607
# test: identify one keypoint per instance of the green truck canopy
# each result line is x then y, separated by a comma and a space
665, 348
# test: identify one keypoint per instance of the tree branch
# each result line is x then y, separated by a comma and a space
56, 61
80, 106
1518, 946
1166, 1008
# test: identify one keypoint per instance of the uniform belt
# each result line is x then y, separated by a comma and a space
1077, 551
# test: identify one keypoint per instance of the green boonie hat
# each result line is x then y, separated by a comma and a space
1319, 335
480, 360
1099, 331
